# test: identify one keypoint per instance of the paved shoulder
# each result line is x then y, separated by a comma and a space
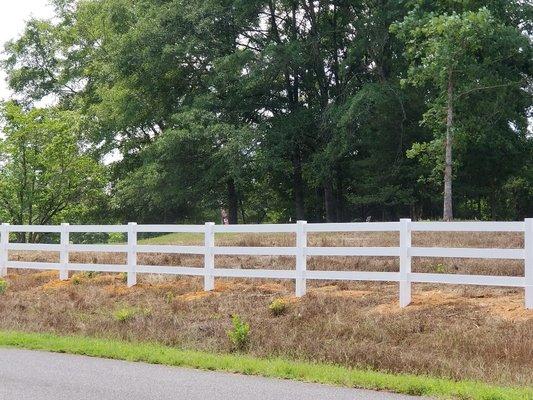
47, 376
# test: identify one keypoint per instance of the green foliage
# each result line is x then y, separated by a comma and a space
278, 307
45, 177
117, 237
472, 64
3, 286
289, 112
124, 314
239, 335
440, 268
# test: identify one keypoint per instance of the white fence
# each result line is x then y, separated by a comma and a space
404, 251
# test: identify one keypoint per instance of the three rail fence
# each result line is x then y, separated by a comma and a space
405, 252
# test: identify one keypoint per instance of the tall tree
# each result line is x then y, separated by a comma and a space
460, 55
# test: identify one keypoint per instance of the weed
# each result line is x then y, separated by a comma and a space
124, 314
278, 307
123, 277
76, 279
3, 286
440, 268
169, 297
239, 335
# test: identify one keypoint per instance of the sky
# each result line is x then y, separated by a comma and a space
13, 15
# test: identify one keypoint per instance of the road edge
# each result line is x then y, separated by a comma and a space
153, 353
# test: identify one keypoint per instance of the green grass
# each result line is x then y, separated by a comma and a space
275, 368
183, 238
175, 238
191, 238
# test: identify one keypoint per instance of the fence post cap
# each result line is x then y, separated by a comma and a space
65, 224
301, 222
210, 223
132, 223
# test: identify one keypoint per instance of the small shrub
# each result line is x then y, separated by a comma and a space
239, 335
124, 277
440, 268
278, 307
3, 286
76, 279
124, 314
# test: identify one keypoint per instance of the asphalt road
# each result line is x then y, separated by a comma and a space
34, 375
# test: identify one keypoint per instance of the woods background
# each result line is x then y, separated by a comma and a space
171, 111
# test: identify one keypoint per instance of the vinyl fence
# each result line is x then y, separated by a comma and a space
405, 252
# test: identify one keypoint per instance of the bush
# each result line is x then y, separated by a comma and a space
124, 314
239, 335
117, 237
3, 286
278, 307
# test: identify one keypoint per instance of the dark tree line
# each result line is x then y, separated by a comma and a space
280, 110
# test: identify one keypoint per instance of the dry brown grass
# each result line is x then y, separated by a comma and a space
452, 331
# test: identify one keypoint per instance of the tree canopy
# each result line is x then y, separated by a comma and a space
46, 177
277, 110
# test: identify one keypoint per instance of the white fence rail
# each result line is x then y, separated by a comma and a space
300, 274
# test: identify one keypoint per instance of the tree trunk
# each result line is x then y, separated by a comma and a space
233, 204
297, 187
340, 199
329, 202
448, 212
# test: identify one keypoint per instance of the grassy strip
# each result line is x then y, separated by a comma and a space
275, 368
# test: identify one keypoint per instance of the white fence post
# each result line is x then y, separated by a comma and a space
63, 254
209, 257
405, 262
132, 254
528, 262
4, 240
301, 258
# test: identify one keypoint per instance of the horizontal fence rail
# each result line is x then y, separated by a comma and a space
405, 277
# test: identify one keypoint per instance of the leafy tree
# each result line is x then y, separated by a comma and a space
45, 176
459, 56
291, 109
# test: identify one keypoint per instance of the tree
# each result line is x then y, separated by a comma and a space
45, 177
277, 110
458, 56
